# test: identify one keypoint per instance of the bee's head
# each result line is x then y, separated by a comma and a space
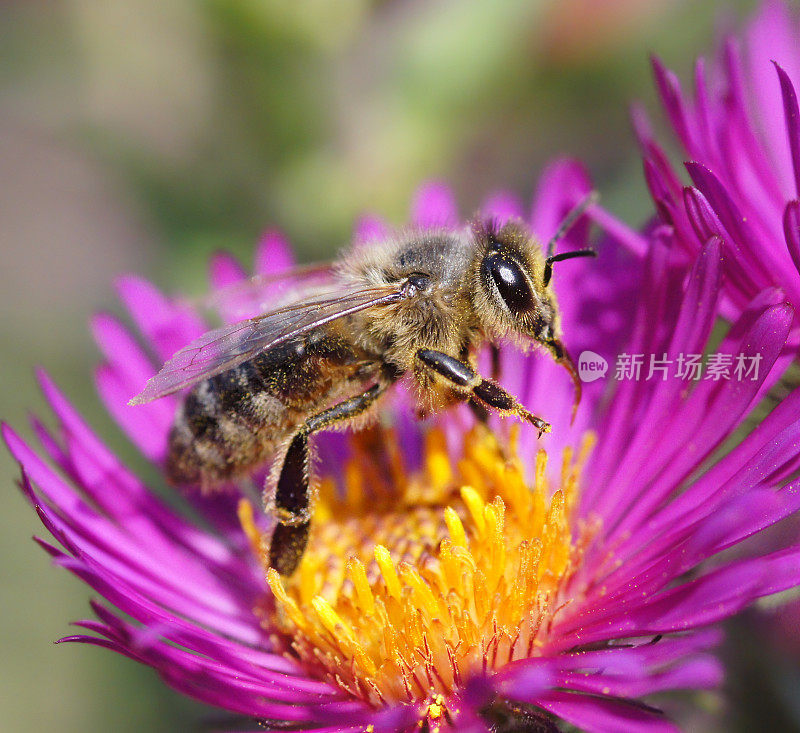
513, 294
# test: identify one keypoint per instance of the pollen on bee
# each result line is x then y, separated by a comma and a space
426, 577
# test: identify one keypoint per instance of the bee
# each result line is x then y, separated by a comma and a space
419, 306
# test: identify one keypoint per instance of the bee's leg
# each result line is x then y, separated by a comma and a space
488, 393
479, 411
497, 367
292, 494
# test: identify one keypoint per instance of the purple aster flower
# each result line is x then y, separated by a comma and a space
455, 575
741, 132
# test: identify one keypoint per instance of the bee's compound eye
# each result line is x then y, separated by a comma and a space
513, 286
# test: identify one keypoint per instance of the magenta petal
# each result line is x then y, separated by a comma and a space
598, 715
125, 374
78, 435
749, 464
640, 121
741, 130
273, 255
502, 206
561, 186
706, 224
697, 673
706, 124
771, 37
742, 236
370, 228
106, 561
721, 201
672, 98
702, 217
645, 451
733, 397
144, 425
526, 680
712, 597
123, 354
167, 325
792, 115
434, 206
690, 543
741, 518
791, 230
52, 447
224, 270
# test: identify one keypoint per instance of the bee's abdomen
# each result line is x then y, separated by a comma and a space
232, 422
225, 426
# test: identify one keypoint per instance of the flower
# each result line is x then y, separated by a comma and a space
741, 132
457, 574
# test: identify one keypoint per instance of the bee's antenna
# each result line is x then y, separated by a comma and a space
572, 216
548, 263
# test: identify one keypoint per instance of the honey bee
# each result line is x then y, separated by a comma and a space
419, 305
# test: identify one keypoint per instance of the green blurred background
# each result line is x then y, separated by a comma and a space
145, 135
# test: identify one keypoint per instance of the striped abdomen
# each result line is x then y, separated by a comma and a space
231, 423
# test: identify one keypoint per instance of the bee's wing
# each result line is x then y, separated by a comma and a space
231, 345
254, 295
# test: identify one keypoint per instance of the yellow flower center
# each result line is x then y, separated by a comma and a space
410, 583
